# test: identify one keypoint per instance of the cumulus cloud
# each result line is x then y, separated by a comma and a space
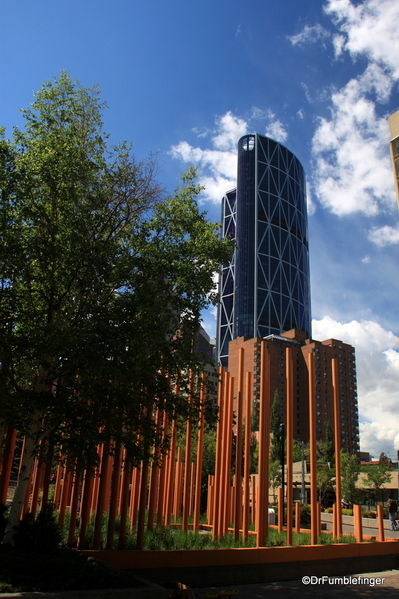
383, 236
352, 171
369, 29
218, 165
377, 361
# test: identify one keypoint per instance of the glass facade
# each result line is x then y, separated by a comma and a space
265, 289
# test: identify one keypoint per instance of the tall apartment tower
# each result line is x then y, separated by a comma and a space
265, 289
393, 122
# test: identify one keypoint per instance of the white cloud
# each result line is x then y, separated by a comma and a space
310, 33
377, 362
370, 29
275, 129
366, 260
383, 236
352, 171
218, 166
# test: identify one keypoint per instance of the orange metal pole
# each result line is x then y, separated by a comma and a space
223, 465
238, 464
154, 479
103, 495
228, 442
162, 478
313, 461
113, 506
200, 451
297, 517
254, 499
247, 455
171, 475
142, 504
337, 445
8, 457
134, 496
218, 456
187, 461
178, 486
380, 516
290, 438
264, 443
280, 500
358, 523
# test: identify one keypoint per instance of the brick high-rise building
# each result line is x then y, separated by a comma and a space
324, 352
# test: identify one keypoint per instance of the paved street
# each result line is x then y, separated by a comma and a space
379, 584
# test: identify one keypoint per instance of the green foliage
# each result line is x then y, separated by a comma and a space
325, 449
102, 281
376, 476
275, 475
276, 438
350, 469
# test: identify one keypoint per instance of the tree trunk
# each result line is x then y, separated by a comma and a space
22, 483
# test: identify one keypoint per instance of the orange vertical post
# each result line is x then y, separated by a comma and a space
162, 478
228, 441
263, 459
223, 458
102, 495
380, 516
357, 521
200, 451
247, 455
254, 499
178, 486
171, 474
114, 498
238, 464
297, 517
187, 460
8, 455
142, 504
313, 461
218, 460
134, 496
280, 503
289, 419
337, 445
154, 479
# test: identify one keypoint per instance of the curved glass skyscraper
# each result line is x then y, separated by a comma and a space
265, 289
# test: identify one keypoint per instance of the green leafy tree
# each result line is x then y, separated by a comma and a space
376, 477
275, 476
102, 280
276, 430
350, 469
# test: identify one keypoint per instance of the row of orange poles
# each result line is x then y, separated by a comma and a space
163, 488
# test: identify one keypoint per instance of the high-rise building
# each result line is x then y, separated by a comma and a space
322, 381
265, 289
393, 122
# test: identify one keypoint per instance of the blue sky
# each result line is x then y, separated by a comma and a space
187, 79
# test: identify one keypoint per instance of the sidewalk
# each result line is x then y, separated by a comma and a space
381, 584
